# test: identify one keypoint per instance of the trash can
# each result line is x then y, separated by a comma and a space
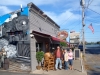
6, 64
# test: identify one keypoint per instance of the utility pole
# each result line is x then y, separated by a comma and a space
82, 3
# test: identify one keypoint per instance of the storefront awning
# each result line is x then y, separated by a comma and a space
55, 39
41, 34
47, 36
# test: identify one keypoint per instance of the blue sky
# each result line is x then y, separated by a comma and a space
66, 13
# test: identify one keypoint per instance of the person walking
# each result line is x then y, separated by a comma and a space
70, 59
66, 59
58, 58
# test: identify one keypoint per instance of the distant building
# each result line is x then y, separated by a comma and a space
74, 38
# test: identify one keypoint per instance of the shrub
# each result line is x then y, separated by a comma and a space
39, 56
63, 44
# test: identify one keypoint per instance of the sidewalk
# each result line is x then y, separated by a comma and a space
76, 71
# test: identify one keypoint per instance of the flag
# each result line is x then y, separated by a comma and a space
91, 28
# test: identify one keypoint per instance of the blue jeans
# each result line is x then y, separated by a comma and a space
58, 61
70, 62
66, 65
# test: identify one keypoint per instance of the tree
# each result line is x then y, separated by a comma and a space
63, 44
98, 42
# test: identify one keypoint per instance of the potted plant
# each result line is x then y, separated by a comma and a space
39, 57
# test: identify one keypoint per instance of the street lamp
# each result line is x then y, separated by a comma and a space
31, 35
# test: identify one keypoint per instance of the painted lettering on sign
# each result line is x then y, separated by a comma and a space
62, 35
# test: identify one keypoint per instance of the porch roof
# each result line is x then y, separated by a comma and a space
46, 36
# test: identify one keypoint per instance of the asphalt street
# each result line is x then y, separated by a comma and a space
93, 60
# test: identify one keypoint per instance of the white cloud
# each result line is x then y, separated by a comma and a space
4, 10
42, 2
64, 17
25, 2
60, 18
12, 2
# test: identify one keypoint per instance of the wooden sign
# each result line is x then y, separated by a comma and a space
76, 54
62, 35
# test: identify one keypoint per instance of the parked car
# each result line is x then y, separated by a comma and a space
80, 47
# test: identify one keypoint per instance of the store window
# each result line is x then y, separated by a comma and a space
39, 47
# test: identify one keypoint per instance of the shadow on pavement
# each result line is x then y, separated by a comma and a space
77, 70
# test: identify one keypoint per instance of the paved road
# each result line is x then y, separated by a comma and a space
93, 60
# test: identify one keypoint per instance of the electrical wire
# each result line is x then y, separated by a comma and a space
69, 17
92, 21
96, 32
90, 38
94, 11
89, 3
75, 21
75, 26
95, 5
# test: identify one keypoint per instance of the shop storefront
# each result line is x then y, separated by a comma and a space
45, 39
17, 27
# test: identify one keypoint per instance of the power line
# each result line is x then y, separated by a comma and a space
92, 38
91, 32
75, 21
89, 3
92, 21
75, 26
95, 5
69, 17
97, 31
94, 11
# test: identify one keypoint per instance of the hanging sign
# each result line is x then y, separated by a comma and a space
62, 35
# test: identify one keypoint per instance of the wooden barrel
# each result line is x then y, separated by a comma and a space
6, 64
47, 55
